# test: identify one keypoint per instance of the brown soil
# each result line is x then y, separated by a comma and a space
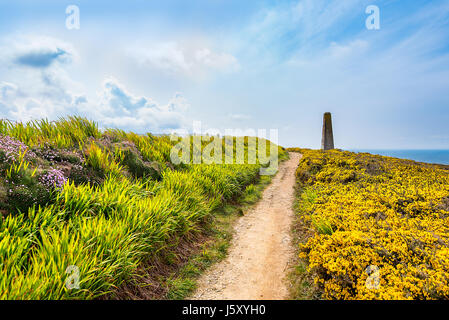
261, 251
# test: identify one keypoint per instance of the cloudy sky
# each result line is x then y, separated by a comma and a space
160, 65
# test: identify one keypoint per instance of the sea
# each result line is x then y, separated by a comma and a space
429, 156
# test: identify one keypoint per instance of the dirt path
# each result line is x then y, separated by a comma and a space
261, 249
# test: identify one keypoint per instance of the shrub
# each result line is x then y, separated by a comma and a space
377, 211
11, 149
80, 174
54, 155
53, 179
101, 160
139, 168
25, 194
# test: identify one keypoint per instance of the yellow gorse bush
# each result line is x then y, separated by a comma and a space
376, 213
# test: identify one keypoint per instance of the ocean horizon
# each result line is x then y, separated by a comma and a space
437, 156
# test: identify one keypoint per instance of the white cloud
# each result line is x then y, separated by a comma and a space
19, 103
115, 106
165, 56
14, 104
39, 86
120, 108
30, 94
239, 116
38, 52
339, 51
8, 91
218, 61
188, 60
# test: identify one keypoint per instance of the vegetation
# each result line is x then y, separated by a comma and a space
380, 225
78, 200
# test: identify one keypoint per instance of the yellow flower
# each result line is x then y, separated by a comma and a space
370, 210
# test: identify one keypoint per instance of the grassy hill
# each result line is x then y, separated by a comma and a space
76, 200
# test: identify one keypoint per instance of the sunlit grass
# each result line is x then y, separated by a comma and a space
107, 228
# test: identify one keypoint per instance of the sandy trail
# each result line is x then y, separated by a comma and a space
261, 249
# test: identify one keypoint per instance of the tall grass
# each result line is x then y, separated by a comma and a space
100, 160
106, 230
62, 133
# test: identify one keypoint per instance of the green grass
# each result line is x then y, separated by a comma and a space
65, 132
111, 216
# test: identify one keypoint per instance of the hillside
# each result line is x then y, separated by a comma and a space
372, 227
83, 208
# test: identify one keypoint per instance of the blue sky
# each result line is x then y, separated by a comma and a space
160, 65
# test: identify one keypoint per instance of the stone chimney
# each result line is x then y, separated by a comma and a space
327, 141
